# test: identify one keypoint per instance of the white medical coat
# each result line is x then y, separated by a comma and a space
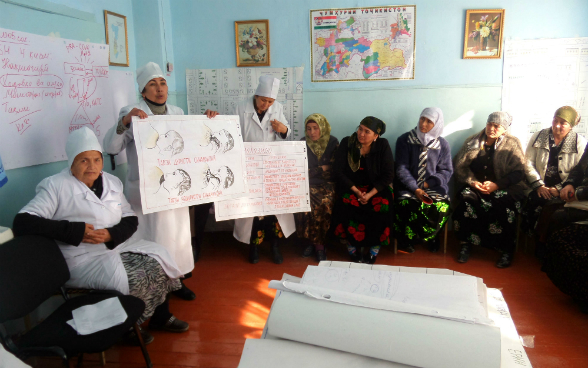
254, 130
170, 228
63, 197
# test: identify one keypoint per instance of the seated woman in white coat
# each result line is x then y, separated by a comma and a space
262, 120
170, 228
85, 211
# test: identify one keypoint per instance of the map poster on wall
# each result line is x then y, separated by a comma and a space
277, 181
362, 44
222, 89
186, 160
540, 76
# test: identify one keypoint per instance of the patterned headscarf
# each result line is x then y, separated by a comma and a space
319, 146
569, 114
436, 116
354, 153
501, 118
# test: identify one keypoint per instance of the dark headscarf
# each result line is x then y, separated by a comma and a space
354, 153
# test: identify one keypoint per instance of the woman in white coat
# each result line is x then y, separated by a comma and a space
85, 211
262, 120
170, 228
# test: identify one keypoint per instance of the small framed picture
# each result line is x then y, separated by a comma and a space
483, 34
252, 42
116, 38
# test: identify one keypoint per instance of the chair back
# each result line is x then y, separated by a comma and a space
32, 269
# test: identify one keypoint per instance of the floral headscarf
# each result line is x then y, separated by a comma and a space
319, 146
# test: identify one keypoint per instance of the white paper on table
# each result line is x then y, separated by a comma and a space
277, 180
97, 317
291, 354
186, 160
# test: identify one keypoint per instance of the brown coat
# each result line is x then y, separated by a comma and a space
508, 157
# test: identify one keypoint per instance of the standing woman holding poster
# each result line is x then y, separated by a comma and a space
262, 120
364, 171
321, 147
170, 228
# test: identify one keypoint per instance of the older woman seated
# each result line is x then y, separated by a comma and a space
566, 251
423, 170
364, 171
321, 146
85, 211
490, 167
551, 155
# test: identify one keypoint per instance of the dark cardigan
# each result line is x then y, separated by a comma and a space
579, 172
438, 172
316, 175
379, 162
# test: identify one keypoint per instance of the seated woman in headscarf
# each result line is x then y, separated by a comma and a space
551, 155
566, 250
86, 212
313, 226
364, 172
490, 168
423, 169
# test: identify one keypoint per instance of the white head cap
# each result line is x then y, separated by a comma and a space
268, 87
146, 73
81, 140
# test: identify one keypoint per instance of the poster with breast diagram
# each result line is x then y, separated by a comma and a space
189, 160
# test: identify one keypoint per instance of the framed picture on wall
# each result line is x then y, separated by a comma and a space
116, 38
483, 34
252, 42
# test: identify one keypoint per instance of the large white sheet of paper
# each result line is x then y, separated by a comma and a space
188, 159
89, 319
539, 76
48, 87
277, 178
222, 89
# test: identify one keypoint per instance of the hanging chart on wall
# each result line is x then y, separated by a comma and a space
362, 44
222, 89
540, 76
49, 87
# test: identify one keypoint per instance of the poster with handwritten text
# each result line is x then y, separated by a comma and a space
49, 87
186, 160
277, 180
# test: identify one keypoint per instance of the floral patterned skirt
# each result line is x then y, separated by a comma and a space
416, 221
566, 261
364, 225
314, 225
265, 227
489, 220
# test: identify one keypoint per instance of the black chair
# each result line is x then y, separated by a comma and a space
32, 269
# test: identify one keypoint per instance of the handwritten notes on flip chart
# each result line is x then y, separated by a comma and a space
277, 179
49, 87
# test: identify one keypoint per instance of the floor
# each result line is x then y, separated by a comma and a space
233, 302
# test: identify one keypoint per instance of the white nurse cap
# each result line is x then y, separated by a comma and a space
268, 87
146, 73
81, 140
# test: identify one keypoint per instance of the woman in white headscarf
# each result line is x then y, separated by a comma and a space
262, 120
170, 228
423, 170
85, 211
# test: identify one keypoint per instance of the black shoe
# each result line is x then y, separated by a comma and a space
184, 293
405, 248
253, 254
356, 257
276, 254
131, 337
321, 255
172, 325
464, 253
434, 245
371, 259
504, 261
308, 251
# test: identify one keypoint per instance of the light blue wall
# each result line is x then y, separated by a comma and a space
72, 19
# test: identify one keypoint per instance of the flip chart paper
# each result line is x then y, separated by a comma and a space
277, 179
188, 159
